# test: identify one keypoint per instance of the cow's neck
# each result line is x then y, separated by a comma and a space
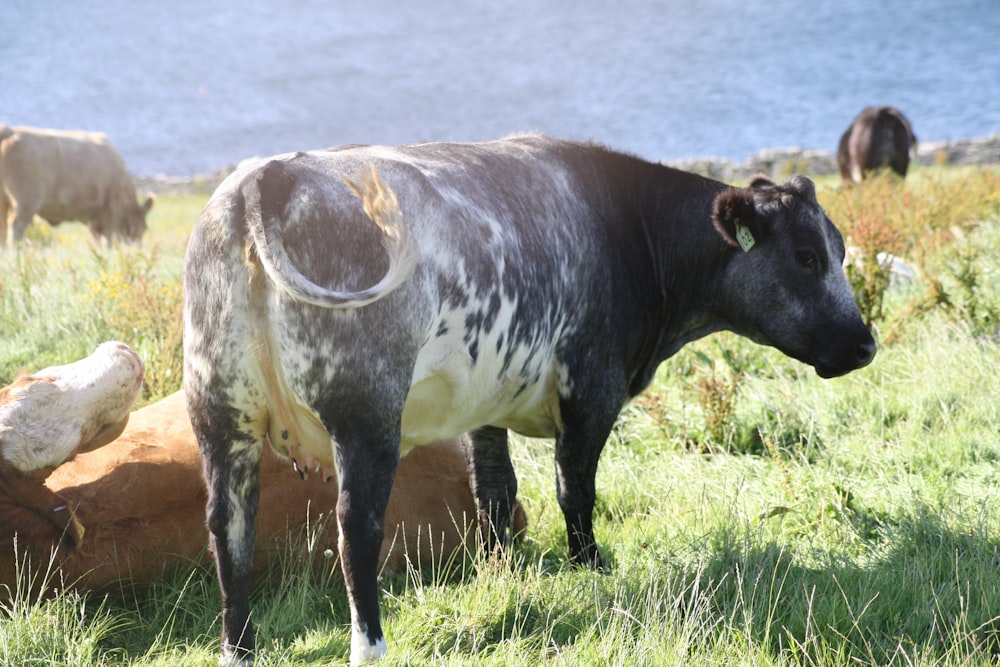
24, 499
684, 254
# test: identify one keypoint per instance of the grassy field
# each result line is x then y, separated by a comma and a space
753, 513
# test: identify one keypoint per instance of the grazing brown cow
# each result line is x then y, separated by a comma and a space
135, 508
880, 137
67, 175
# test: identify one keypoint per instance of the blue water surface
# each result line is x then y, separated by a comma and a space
191, 85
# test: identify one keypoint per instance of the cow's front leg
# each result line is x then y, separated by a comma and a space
367, 467
231, 472
493, 482
578, 449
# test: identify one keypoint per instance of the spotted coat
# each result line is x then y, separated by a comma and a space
527, 283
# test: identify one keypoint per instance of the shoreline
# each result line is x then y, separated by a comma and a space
780, 163
776, 163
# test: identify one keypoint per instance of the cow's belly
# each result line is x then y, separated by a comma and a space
56, 211
452, 394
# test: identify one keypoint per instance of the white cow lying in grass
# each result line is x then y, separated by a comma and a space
133, 507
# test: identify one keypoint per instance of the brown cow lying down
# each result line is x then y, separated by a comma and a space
135, 508
67, 175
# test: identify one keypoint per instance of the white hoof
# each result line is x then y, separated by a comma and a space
230, 658
363, 651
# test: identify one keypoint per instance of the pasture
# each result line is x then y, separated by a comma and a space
752, 513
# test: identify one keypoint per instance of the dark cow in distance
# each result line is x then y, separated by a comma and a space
879, 138
527, 283
63, 175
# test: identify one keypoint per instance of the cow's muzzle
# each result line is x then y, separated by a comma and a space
863, 353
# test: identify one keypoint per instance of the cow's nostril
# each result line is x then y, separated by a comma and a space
866, 352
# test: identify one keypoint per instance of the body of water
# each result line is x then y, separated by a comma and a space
192, 85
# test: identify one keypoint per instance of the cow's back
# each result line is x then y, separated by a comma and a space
79, 174
498, 278
891, 140
878, 137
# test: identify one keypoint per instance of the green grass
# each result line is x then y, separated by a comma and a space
60, 296
753, 514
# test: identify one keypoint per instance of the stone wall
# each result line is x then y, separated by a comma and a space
773, 162
778, 163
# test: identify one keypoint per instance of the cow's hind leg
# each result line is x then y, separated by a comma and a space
494, 483
367, 458
231, 460
4, 212
23, 215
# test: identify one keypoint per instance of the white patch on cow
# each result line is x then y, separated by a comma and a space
230, 658
515, 384
565, 385
196, 367
47, 417
363, 651
237, 528
240, 524
294, 428
856, 174
451, 393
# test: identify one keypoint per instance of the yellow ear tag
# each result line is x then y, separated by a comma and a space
744, 237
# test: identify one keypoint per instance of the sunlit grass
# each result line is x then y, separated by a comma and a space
753, 514
61, 295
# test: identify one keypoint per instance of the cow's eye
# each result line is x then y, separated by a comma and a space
807, 259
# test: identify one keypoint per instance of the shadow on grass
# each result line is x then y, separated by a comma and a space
921, 593
924, 590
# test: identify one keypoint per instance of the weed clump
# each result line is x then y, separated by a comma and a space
924, 222
132, 304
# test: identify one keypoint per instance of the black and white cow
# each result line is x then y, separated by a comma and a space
528, 283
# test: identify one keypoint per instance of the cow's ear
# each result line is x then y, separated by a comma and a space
735, 217
148, 203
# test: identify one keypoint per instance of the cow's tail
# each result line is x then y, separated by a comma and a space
381, 206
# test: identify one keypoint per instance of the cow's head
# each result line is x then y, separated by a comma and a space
134, 224
48, 417
45, 419
784, 284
